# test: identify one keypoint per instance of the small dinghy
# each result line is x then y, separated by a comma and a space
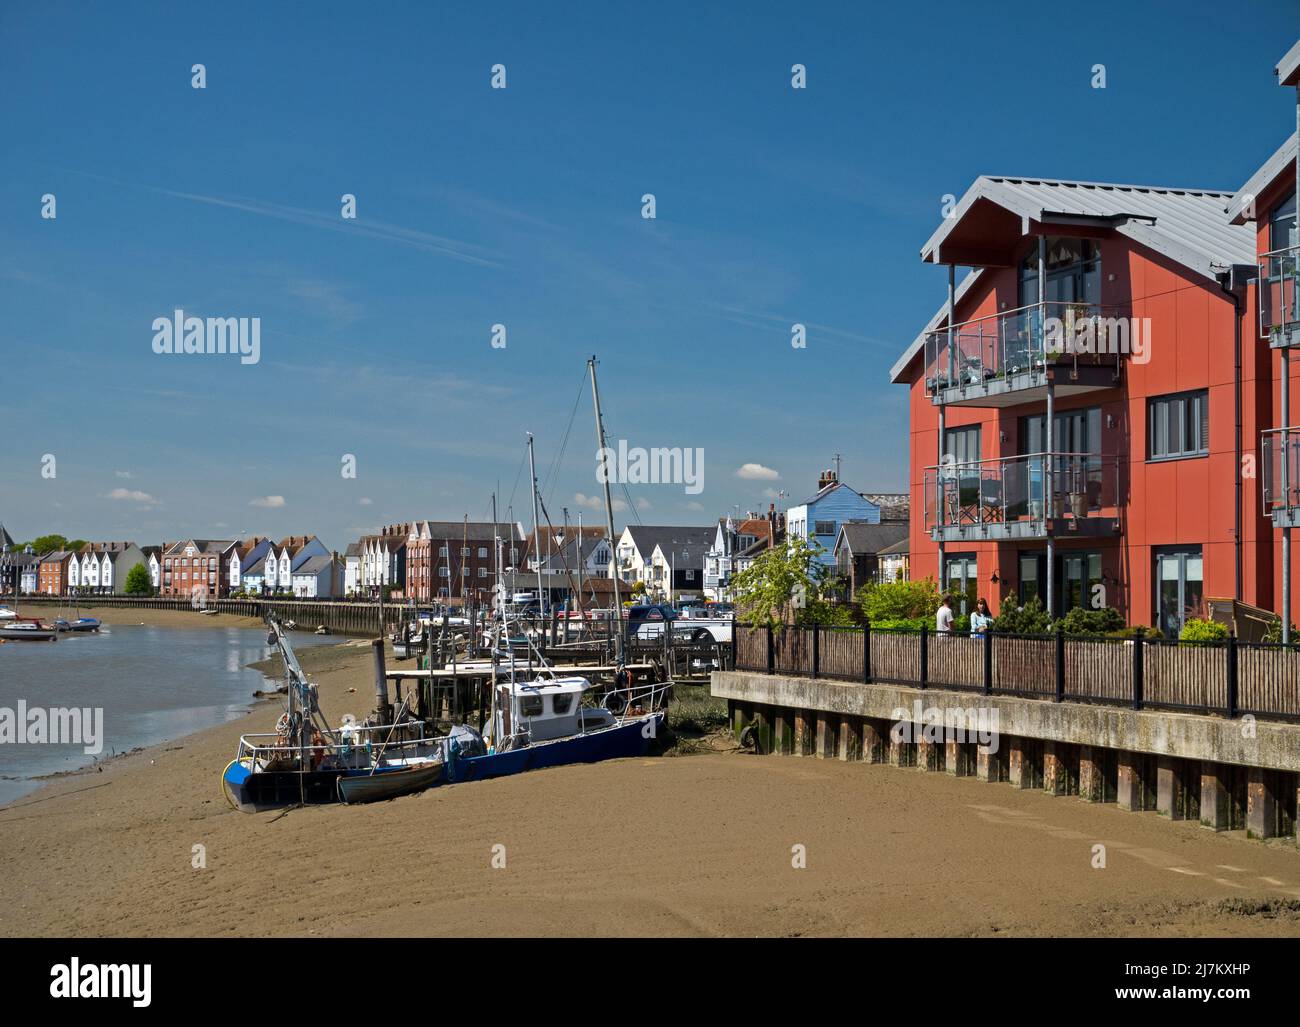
389, 782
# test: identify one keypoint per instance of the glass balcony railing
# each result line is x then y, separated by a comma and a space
1031, 489
1280, 452
1013, 342
1279, 292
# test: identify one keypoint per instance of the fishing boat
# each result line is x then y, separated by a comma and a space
303, 760
27, 630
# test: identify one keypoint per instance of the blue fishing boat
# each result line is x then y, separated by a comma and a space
77, 624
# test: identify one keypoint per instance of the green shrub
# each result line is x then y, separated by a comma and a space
1029, 619
1273, 635
1203, 631
1084, 621
900, 600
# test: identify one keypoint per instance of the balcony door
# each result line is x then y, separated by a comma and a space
1073, 272
962, 581
1078, 573
1179, 591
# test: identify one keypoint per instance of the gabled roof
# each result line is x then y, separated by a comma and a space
901, 548
1185, 225
353, 549
5, 538
865, 539
646, 536
257, 567
1240, 205
830, 487
206, 546
315, 565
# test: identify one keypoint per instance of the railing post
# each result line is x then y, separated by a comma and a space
988, 661
866, 652
1137, 669
816, 650
771, 651
925, 658
1060, 665
1232, 676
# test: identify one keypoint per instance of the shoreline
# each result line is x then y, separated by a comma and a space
683, 846
115, 616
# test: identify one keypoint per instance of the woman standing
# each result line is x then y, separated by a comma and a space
981, 620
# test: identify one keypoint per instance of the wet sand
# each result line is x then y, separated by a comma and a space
686, 845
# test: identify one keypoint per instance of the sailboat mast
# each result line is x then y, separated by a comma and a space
537, 531
581, 617
603, 452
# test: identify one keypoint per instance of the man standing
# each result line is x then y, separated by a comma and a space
943, 617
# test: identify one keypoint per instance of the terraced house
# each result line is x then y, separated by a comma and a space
1081, 404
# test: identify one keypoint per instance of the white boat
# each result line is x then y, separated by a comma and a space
7, 614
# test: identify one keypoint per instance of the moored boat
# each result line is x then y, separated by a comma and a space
79, 624
388, 782
27, 630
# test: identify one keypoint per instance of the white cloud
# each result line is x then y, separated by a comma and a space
273, 502
597, 503
642, 503
365, 501
756, 472
124, 474
133, 495
694, 505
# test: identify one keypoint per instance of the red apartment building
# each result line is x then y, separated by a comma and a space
1267, 205
454, 560
1078, 422
195, 568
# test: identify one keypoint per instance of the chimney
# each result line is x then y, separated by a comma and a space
828, 477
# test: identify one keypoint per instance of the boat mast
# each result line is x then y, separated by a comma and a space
581, 618
537, 533
603, 452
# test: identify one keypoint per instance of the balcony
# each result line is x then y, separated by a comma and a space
1010, 358
1279, 278
1036, 496
1280, 452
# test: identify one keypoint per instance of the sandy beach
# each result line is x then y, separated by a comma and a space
697, 844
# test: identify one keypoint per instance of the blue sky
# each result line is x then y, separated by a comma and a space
522, 206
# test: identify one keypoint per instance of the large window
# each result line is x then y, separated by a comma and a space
961, 580
1179, 589
1077, 575
1073, 273
1075, 431
962, 445
1178, 425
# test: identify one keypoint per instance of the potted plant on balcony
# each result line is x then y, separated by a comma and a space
1078, 504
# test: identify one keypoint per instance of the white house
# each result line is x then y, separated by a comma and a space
352, 569
315, 578
636, 549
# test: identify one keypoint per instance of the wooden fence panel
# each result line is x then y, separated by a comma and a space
1268, 680
955, 661
1185, 676
841, 654
1024, 665
896, 657
1099, 670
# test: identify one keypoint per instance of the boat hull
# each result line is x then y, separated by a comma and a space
621, 742
17, 635
387, 784
275, 789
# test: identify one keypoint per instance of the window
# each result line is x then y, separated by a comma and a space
482, 552
962, 445
690, 575
1075, 431
442, 551
823, 527
482, 572
442, 572
961, 580
1281, 226
1178, 425
1179, 586
1073, 272
530, 705
561, 703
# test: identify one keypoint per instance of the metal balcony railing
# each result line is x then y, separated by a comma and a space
1001, 346
1280, 452
1279, 294
1034, 488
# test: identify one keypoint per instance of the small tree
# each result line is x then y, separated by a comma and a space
138, 582
783, 586
1027, 619
900, 604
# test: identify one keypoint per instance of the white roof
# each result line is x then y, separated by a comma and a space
1288, 68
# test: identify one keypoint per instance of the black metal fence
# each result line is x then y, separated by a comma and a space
1231, 678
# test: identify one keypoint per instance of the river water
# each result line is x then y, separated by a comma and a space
152, 683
